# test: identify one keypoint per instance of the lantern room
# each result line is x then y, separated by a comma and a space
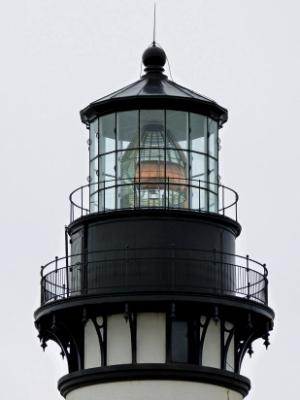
142, 155
153, 158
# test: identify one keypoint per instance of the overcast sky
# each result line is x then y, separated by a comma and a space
59, 55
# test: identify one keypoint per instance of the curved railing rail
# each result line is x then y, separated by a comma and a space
169, 193
153, 270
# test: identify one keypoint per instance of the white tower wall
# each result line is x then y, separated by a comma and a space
118, 340
212, 346
92, 354
151, 342
153, 390
151, 338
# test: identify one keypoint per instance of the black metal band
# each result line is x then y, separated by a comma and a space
182, 372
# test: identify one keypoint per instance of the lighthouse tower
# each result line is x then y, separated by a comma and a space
151, 300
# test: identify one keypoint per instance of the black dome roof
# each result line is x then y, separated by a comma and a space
154, 90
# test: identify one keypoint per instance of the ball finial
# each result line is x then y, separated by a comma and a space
154, 58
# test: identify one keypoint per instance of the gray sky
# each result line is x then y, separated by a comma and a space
59, 55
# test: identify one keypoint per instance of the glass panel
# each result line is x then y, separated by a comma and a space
150, 173
109, 196
128, 174
93, 143
94, 171
212, 172
127, 129
152, 120
150, 194
213, 187
198, 180
94, 176
94, 200
107, 133
107, 167
198, 135
177, 128
177, 183
213, 205
212, 137
128, 159
198, 166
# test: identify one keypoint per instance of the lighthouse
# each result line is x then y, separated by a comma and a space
151, 300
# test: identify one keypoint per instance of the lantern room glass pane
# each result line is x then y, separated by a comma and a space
107, 140
198, 180
127, 156
94, 135
108, 166
212, 138
213, 172
94, 198
177, 127
151, 170
94, 172
198, 132
127, 129
213, 187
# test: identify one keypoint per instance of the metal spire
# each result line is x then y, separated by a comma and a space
154, 25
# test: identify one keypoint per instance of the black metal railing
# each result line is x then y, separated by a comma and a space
169, 193
156, 270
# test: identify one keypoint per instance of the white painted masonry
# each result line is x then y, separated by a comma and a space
151, 338
118, 340
212, 346
153, 390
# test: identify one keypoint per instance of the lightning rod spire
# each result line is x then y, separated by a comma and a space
154, 25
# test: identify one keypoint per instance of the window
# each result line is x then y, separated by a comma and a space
184, 346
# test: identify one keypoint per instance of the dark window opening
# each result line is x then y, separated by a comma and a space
184, 343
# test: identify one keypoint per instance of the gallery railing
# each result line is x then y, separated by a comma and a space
169, 193
156, 270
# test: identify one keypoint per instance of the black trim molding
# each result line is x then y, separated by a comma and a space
213, 376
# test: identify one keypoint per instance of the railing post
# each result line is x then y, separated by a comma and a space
207, 196
104, 196
56, 269
168, 182
67, 259
199, 196
81, 200
165, 194
84, 271
223, 200
248, 280
266, 284
89, 198
139, 204
42, 286
134, 193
